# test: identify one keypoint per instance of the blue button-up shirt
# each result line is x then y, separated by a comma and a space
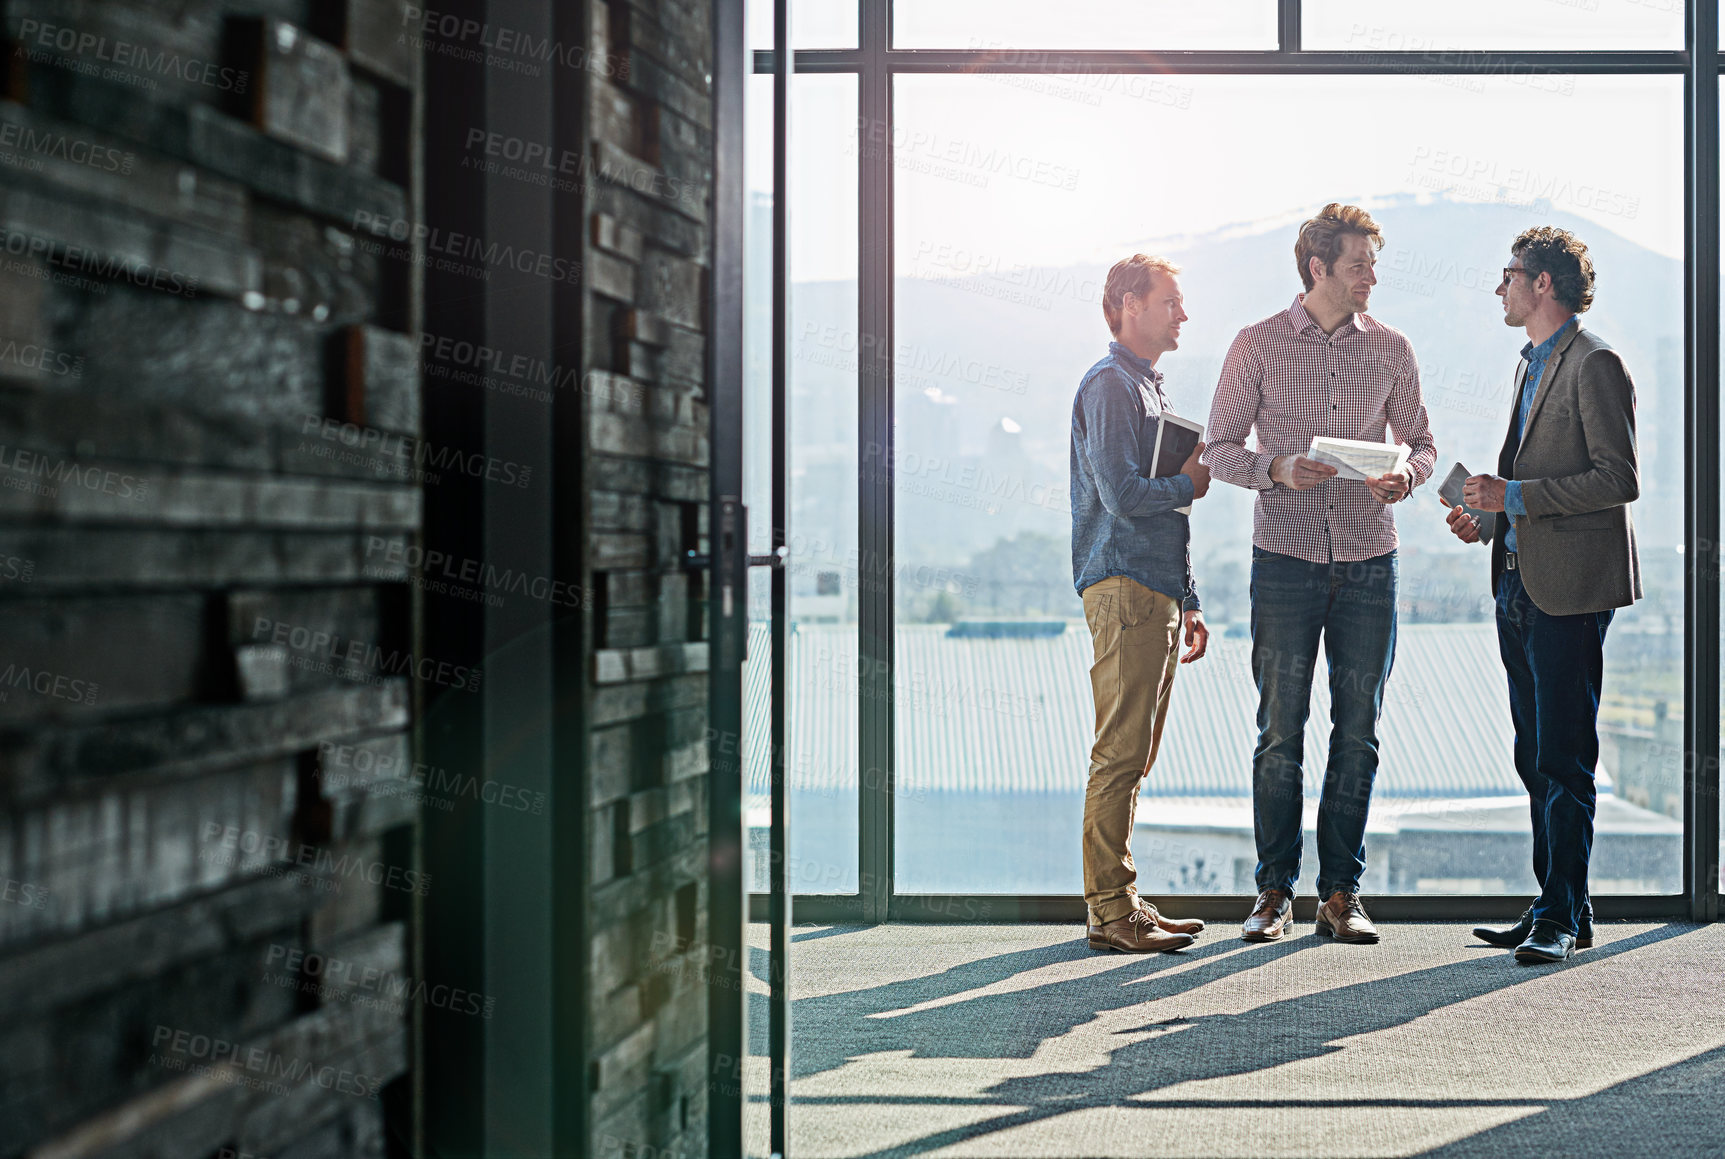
1537, 357
1123, 521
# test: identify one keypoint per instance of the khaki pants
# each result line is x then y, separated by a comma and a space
1136, 637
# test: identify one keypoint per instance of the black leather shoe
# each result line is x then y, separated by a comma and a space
1509, 936
1547, 942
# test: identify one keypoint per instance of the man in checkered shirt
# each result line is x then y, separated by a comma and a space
1323, 553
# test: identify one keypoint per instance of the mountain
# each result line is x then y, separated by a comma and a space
987, 360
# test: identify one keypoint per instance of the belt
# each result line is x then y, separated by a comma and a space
1509, 560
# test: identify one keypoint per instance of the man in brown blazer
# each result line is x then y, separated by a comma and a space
1563, 559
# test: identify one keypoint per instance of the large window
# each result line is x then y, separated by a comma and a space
821, 718
996, 25
1002, 191
1437, 30
1010, 205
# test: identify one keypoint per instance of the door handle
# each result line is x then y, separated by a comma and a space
695, 561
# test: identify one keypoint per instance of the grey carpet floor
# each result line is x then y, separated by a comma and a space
1020, 1041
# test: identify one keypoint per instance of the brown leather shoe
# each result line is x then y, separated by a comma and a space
1270, 917
1343, 918
1136, 933
1193, 926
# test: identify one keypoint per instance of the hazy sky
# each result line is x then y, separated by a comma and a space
1023, 169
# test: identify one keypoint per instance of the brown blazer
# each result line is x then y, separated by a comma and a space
1576, 459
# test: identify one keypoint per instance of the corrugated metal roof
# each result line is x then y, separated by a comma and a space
1014, 715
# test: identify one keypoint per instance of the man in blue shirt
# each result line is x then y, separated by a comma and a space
1132, 565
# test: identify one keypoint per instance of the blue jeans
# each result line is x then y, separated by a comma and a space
1352, 606
1556, 666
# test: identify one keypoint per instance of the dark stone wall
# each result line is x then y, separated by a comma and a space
312, 843
647, 439
209, 475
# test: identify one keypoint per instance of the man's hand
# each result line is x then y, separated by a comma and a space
1461, 523
1197, 636
1197, 472
1484, 492
1391, 486
1299, 472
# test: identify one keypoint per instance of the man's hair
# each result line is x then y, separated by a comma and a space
1322, 237
1545, 249
1130, 276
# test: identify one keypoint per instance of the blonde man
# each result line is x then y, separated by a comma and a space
1131, 565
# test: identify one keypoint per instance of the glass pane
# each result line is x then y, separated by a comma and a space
821, 745
1009, 211
814, 24
1081, 24
1479, 25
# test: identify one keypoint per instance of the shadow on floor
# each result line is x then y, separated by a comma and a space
1675, 1110
832, 1029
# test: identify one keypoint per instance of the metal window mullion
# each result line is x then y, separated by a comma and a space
727, 912
874, 461
779, 936
1288, 25
1701, 552
1250, 62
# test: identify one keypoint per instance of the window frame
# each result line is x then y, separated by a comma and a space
875, 63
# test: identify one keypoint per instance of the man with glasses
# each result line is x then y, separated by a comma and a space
1563, 559
1132, 566
1323, 554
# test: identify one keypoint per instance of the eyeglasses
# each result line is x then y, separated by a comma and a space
1510, 272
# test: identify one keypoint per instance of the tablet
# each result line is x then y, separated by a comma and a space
1176, 439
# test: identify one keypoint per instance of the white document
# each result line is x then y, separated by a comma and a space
1356, 459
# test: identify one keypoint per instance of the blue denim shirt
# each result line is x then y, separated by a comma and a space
1123, 521
1537, 357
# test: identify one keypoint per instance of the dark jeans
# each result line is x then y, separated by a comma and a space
1353, 607
1556, 666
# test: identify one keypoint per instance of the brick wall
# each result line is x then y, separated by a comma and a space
647, 442
208, 377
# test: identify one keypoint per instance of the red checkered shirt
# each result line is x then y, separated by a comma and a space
1291, 381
